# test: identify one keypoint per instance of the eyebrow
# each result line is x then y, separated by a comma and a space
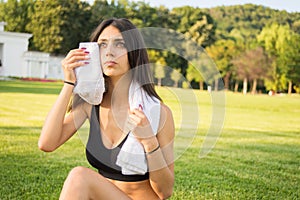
114, 39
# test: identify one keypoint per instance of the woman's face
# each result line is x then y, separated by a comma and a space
113, 53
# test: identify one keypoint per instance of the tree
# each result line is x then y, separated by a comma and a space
176, 76
59, 25
46, 26
196, 25
15, 14
102, 9
222, 52
159, 71
273, 39
150, 17
192, 74
250, 19
242, 71
259, 63
251, 65
76, 16
202, 69
290, 57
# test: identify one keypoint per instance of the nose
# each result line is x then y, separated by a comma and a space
109, 51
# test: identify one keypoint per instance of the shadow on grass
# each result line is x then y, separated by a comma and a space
27, 131
33, 87
28, 176
27, 172
248, 171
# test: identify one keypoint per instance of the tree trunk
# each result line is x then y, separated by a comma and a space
216, 84
254, 86
201, 85
175, 84
290, 87
245, 86
226, 81
159, 81
236, 86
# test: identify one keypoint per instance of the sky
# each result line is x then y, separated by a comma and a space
288, 5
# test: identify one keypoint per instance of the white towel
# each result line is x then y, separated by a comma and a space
90, 80
132, 158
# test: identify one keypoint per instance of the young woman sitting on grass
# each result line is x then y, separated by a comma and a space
125, 65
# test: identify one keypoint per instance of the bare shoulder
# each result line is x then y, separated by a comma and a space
166, 110
81, 107
78, 115
166, 126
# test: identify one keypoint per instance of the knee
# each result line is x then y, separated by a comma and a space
75, 184
77, 174
77, 178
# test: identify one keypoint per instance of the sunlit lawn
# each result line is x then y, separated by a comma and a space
257, 155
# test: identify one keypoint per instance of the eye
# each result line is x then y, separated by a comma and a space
120, 44
102, 45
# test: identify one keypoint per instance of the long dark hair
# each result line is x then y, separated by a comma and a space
136, 51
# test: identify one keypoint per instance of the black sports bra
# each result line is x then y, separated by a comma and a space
102, 158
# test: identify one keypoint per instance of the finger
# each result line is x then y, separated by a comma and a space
135, 119
78, 58
77, 54
75, 60
74, 65
130, 125
138, 112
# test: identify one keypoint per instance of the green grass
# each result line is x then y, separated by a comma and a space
257, 155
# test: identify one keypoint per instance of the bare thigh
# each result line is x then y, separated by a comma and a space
84, 183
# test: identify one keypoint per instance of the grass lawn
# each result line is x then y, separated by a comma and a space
257, 155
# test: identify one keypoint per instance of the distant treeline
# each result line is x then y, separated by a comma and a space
254, 46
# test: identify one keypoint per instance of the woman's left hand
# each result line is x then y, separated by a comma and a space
140, 126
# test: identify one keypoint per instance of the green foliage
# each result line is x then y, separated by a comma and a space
46, 26
222, 52
249, 25
176, 76
192, 74
76, 27
274, 39
249, 19
291, 55
196, 25
15, 14
101, 10
59, 26
225, 31
159, 70
150, 16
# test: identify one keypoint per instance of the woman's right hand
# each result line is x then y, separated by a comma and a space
75, 58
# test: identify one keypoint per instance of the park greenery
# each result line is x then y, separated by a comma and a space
254, 47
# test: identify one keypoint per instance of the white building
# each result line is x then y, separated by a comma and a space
12, 48
16, 60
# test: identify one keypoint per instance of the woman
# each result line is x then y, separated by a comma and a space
120, 54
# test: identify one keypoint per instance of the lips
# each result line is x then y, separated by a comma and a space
110, 63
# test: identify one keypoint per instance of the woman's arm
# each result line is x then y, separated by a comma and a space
58, 127
160, 160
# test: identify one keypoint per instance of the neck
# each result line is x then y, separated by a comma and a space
119, 86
